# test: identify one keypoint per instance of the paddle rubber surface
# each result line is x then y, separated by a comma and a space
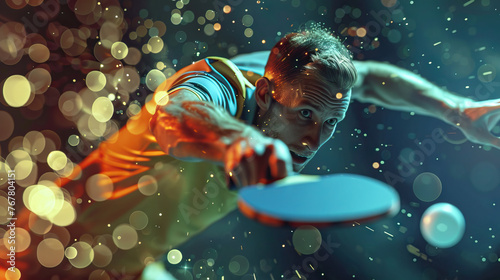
318, 200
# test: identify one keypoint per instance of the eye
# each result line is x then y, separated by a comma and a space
306, 113
332, 122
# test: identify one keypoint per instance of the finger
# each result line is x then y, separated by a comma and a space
278, 167
241, 175
231, 161
487, 139
233, 156
263, 171
492, 120
283, 154
233, 174
246, 170
243, 170
251, 163
493, 141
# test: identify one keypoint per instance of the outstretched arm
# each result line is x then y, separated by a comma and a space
190, 129
395, 88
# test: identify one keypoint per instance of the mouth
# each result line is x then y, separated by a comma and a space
298, 159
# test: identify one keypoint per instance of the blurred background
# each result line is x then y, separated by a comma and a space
48, 48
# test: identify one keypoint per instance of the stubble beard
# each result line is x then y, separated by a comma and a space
266, 124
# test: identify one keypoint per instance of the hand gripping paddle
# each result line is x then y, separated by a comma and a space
318, 200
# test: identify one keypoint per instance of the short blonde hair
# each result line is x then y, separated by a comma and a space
314, 52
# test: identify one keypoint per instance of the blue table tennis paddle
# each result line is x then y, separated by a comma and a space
318, 200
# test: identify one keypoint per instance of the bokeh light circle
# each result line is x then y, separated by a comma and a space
82, 254
161, 28
148, 185
174, 256
12, 275
247, 20
57, 160
134, 109
38, 225
156, 44
128, 79
73, 42
248, 32
306, 239
99, 187
210, 14
176, 19
239, 265
442, 225
39, 53
154, 78
50, 252
125, 237
34, 142
64, 217
102, 255
180, 36
102, 109
23, 239
24, 169
394, 36
109, 34
161, 98
97, 128
70, 253
70, 103
12, 41
138, 219
113, 14
95, 80
43, 200
209, 29
16, 91
427, 187
74, 140
119, 50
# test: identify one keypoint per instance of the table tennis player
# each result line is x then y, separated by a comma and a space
218, 123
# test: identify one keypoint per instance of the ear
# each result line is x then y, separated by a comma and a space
263, 96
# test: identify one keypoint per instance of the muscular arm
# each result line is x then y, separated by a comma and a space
190, 129
396, 88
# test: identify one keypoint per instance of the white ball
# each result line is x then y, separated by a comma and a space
442, 225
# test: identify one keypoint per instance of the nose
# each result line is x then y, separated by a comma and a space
313, 138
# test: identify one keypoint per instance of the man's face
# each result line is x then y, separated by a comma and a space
304, 116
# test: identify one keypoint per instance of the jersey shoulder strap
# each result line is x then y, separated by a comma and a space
231, 72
